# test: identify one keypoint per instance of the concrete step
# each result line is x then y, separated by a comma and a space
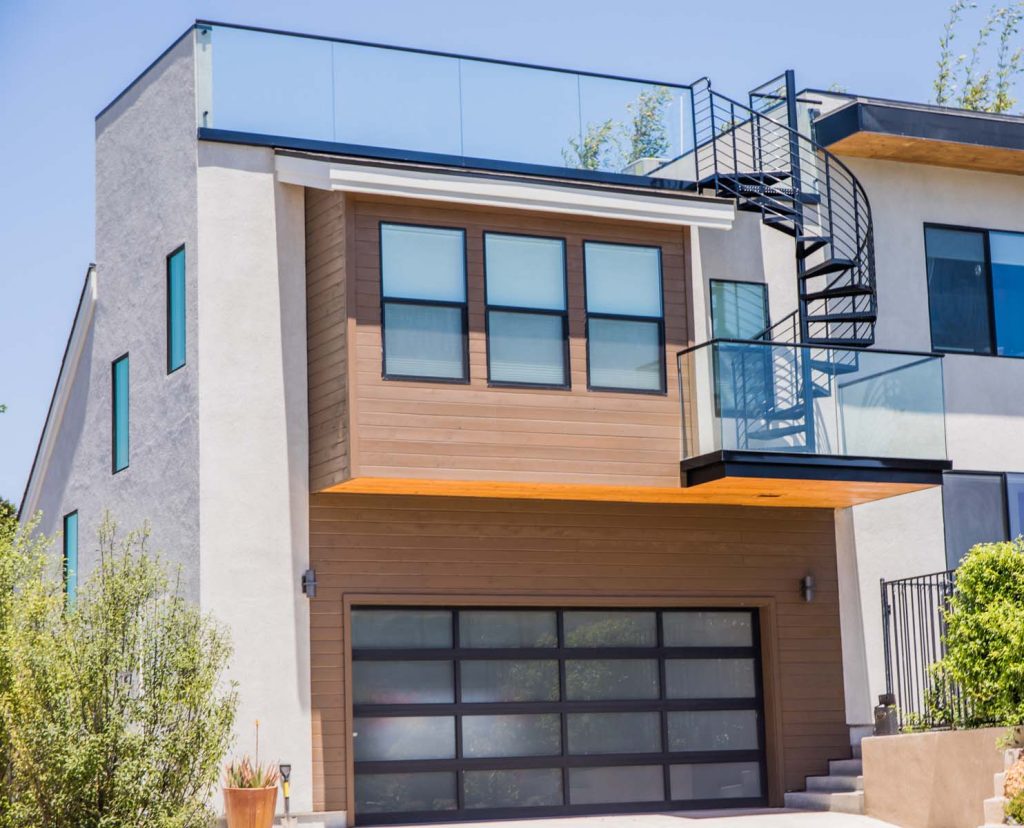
994, 812
845, 767
835, 784
856, 751
851, 802
999, 784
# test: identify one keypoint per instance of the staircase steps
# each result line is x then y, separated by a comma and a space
846, 343
827, 366
828, 266
851, 802
835, 784
782, 223
806, 245
773, 433
838, 291
842, 790
845, 316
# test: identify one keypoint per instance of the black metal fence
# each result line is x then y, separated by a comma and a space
914, 630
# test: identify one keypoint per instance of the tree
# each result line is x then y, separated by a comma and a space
595, 150
8, 514
113, 712
649, 137
613, 145
963, 80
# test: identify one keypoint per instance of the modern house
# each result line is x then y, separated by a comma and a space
542, 436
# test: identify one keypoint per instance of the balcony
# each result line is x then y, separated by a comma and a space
840, 426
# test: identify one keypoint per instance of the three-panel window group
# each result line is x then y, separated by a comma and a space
425, 313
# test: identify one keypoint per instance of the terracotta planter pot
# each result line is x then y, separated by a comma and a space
250, 807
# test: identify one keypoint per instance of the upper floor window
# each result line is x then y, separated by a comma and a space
423, 302
739, 310
527, 318
70, 557
980, 507
975, 290
176, 310
625, 317
119, 413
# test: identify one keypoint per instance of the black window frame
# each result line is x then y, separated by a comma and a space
566, 384
660, 320
68, 597
562, 653
711, 305
384, 300
114, 469
184, 301
985, 233
1003, 480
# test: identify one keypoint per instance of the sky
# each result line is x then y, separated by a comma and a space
62, 61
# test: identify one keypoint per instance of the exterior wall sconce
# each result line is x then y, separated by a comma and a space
309, 583
807, 588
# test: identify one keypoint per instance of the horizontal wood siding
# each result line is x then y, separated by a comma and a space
326, 322
518, 551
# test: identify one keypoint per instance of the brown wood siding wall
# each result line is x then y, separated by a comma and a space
421, 549
326, 322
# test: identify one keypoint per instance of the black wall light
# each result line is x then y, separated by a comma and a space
309, 583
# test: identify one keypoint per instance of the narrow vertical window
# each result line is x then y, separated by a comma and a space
625, 317
176, 310
71, 556
527, 320
119, 406
423, 302
1007, 252
739, 310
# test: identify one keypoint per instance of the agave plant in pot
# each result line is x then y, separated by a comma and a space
250, 791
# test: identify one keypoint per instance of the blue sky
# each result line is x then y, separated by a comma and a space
62, 61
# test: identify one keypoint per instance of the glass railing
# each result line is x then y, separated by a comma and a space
774, 397
387, 101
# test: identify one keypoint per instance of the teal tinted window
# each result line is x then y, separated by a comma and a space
120, 413
739, 310
959, 297
176, 310
71, 556
1007, 251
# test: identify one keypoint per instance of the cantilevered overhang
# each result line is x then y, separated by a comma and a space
921, 134
504, 190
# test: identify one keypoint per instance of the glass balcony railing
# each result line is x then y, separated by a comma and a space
772, 397
389, 102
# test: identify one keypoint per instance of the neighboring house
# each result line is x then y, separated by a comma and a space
535, 472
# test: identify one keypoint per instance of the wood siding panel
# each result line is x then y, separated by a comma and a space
464, 550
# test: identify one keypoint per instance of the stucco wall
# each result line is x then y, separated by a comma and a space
145, 208
253, 446
931, 780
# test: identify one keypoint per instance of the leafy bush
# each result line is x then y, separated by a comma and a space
1013, 790
113, 712
985, 640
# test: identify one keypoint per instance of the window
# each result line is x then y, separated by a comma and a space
975, 290
625, 323
973, 510
176, 310
119, 413
70, 566
423, 307
1015, 503
739, 310
527, 319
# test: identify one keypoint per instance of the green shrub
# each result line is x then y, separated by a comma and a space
1013, 790
985, 640
113, 711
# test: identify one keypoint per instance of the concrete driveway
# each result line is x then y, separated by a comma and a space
772, 818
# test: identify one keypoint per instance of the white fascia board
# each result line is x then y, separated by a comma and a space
508, 193
61, 393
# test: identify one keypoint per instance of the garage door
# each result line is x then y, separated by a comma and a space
476, 713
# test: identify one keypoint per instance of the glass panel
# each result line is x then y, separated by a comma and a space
392, 629
71, 557
712, 730
525, 271
423, 263
176, 310
393, 738
120, 414
513, 788
424, 341
739, 310
640, 783
1015, 503
507, 628
535, 734
610, 628
726, 780
607, 679
373, 84
591, 733
708, 628
973, 511
624, 354
402, 682
1007, 251
509, 681
526, 347
958, 291
710, 678
388, 792
623, 279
